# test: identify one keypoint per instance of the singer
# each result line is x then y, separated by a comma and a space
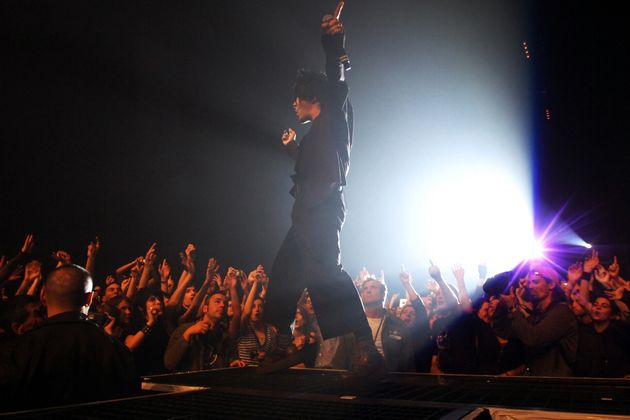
310, 254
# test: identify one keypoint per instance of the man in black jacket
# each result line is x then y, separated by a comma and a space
67, 358
310, 254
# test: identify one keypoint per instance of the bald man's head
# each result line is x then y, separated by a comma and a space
67, 288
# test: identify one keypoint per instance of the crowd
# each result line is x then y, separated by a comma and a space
65, 337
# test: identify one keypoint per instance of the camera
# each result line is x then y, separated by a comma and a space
98, 318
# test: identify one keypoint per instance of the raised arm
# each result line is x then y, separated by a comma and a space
186, 277
9, 266
450, 300
333, 41
123, 268
92, 250
32, 277
464, 299
192, 311
147, 270
255, 277
235, 322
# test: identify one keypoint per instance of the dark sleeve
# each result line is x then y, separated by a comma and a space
421, 312
551, 329
292, 149
335, 73
176, 349
502, 322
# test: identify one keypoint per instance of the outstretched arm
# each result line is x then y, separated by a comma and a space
92, 250
333, 41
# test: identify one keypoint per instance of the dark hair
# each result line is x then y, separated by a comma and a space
311, 85
111, 307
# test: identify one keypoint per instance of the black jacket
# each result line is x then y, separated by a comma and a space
66, 359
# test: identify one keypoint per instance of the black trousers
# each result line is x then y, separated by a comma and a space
309, 258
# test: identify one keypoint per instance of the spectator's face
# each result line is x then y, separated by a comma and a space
112, 290
170, 286
577, 309
538, 287
257, 310
125, 312
371, 292
34, 317
215, 307
408, 315
97, 291
230, 309
602, 310
189, 296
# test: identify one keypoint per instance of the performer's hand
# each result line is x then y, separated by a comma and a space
331, 24
332, 27
288, 136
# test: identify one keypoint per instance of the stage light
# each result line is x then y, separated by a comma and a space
588, 246
537, 250
441, 166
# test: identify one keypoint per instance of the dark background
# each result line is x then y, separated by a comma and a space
148, 121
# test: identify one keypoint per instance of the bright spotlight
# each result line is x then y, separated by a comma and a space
537, 251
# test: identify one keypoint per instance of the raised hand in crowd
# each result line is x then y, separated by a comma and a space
29, 244
590, 262
616, 294
92, 249
62, 258
188, 258
188, 272
194, 311
464, 298
445, 292
31, 280
361, 277
574, 273
257, 277
614, 269
149, 267
137, 263
164, 270
8, 268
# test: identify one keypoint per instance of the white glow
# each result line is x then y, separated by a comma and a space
472, 215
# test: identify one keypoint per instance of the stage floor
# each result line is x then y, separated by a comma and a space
317, 394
